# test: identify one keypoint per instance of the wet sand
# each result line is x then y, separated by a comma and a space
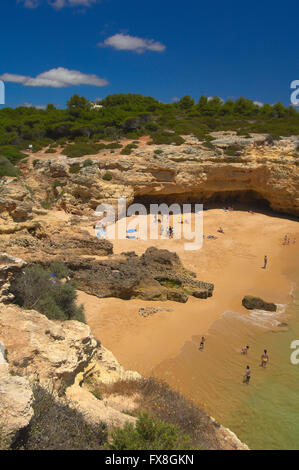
233, 262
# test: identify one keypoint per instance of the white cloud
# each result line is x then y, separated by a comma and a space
30, 3
56, 78
258, 103
10, 77
58, 4
37, 106
124, 42
210, 98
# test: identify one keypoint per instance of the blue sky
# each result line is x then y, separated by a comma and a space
162, 48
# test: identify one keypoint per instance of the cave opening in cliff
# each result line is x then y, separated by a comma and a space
241, 200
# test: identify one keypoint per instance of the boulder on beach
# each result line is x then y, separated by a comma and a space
256, 303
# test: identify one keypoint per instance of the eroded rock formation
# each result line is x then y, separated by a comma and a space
59, 356
263, 170
16, 399
9, 267
156, 275
44, 350
250, 302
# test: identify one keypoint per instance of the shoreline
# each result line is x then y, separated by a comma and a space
232, 263
165, 345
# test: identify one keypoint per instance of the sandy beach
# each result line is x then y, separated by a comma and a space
233, 262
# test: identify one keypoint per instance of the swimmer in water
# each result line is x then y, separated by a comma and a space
247, 375
264, 359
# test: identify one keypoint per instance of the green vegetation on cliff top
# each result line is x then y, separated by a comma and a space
131, 116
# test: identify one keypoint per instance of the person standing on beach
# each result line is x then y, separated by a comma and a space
247, 375
265, 261
202, 343
264, 358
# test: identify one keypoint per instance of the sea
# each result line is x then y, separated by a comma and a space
265, 413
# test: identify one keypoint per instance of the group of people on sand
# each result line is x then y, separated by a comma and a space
264, 361
167, 230
287, 240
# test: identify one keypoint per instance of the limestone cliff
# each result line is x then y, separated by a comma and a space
229, 167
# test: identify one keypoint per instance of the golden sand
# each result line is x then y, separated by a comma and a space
233, 262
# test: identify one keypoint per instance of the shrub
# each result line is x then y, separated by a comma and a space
233, 150
31, 192
12, 153
7, 168
158, 152
114, 145
81, 138
208, 145
47, 204
149, 434
59, 269
134, 135
127, 150
36, 289
37, 146
152, 126
35, 162
163, 403
80, 149
61, 141
74, 169
50, 150
167, 138
107, 177
97, 394
87, 162
57, 426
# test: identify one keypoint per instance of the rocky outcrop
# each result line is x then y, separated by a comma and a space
80, 242
156, 275
103, 369
59, 356
31, 226
95, 410
261, 171
148, 311
61, 240
9, 267
256, 170
40, 349
16, 399
227, 440
255, 303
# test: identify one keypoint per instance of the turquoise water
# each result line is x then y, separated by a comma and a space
268, 416
265, 414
